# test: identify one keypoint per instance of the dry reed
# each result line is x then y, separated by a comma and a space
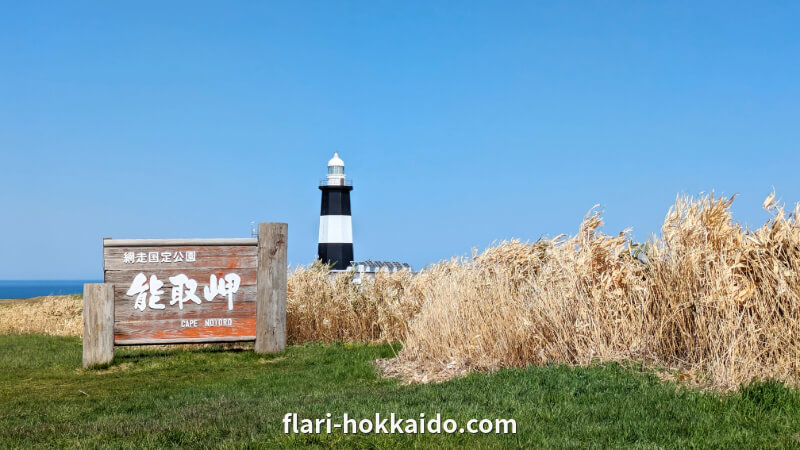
706, 298
325, 308
54, 315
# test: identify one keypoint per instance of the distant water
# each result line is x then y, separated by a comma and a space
39, 288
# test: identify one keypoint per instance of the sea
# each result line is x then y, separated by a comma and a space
40, 288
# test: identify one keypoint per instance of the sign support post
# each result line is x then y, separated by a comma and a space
271, 291
98, 323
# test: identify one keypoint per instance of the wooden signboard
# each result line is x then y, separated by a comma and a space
181, 291
169, 291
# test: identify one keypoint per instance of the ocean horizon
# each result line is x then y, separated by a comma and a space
39, 288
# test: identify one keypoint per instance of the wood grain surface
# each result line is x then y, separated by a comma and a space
208, 321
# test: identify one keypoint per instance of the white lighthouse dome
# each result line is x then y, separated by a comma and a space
336, 161
336, 176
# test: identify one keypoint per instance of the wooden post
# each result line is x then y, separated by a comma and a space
271, 308
98, 323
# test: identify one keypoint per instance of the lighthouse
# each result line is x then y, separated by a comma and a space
335, 224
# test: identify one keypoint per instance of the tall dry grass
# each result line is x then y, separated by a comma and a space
325, 308
705, 297
55, 315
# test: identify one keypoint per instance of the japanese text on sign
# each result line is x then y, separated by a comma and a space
148, 292
158, 257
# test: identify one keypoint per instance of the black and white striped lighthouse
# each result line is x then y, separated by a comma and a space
335, 224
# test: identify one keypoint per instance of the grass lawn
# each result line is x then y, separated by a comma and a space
215, 397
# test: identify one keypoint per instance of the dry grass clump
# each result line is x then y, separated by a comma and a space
705, 297
56, 315
320, 307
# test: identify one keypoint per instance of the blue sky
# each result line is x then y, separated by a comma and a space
460, 123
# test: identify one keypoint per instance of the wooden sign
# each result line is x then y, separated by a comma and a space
180, 291
169, 291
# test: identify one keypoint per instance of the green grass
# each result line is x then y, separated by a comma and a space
215, 397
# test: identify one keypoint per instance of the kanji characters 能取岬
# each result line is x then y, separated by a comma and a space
148, 292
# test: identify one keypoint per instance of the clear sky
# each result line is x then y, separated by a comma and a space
460, 123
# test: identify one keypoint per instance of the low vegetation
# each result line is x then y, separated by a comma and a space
228, 396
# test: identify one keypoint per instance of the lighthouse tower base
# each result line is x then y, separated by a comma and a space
339, 255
